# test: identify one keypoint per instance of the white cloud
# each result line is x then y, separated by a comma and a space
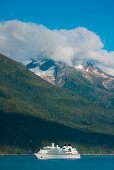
23, 41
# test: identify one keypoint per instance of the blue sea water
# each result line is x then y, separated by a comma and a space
28, 162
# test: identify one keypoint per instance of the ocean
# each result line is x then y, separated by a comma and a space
30, 162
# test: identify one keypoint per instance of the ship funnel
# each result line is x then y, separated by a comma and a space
52, 145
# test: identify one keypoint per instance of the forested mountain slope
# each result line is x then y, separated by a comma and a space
34, 112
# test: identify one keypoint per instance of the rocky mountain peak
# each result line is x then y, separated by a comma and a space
56, 72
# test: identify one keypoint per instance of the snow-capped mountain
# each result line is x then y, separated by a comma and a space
43, 68
86, 80
56, 72
89, 71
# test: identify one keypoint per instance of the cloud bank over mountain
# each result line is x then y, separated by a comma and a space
21, 41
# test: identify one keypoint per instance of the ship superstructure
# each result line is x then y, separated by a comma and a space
55, 152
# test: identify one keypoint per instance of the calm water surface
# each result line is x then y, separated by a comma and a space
28, 162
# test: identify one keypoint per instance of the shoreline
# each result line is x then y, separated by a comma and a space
33, 154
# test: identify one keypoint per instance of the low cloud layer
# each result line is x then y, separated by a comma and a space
21, 41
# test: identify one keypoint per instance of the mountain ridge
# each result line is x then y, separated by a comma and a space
85, 80
28, 97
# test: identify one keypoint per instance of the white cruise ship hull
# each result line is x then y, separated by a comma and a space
45, 156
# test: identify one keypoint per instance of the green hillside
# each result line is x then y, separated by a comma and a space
34, 112
93, 91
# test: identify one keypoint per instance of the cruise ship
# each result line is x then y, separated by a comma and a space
55, 152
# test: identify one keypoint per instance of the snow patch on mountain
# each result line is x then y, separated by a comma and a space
41, 73
27, 62
80, 67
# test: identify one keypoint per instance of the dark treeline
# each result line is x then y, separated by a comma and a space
34, 113
22, 133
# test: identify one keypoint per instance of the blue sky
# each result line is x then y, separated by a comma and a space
95, 15
70, 30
